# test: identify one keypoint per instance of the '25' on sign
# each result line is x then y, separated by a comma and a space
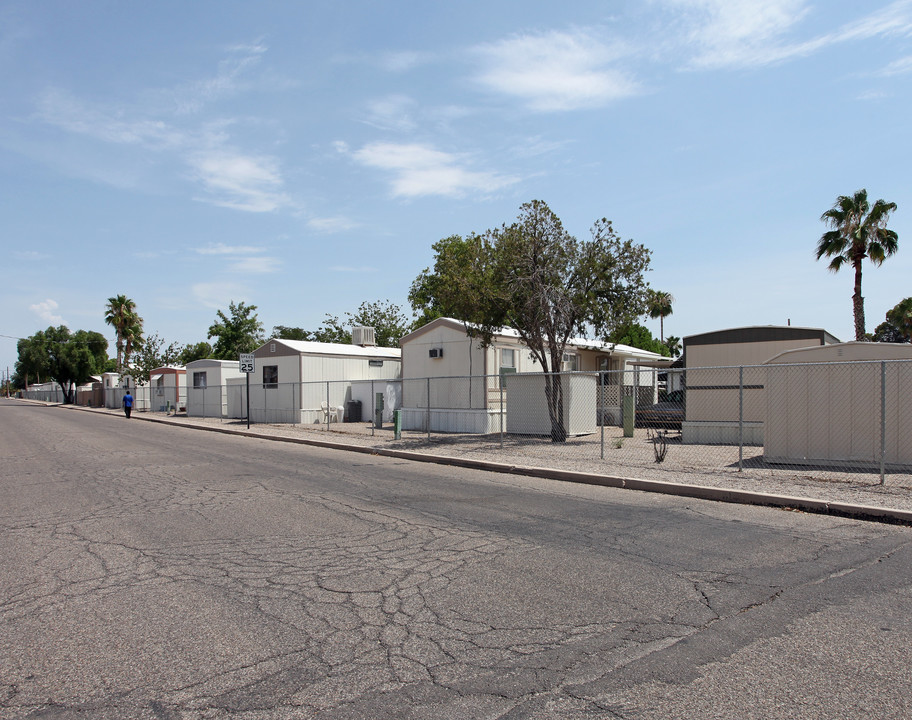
246, 363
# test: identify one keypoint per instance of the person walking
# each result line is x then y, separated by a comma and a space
127, 403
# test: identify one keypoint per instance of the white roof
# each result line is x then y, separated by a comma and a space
212, 362
853, 351
583, 344
310, 347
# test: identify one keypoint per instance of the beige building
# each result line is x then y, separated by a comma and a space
451, 381
294, 379
722, 370
207, 386
168, 388
846, 403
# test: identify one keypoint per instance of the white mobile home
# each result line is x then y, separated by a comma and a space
115, 386
299, 381
207, 386
450, 381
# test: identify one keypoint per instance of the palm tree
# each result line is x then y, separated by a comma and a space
858, 231
120, 313
674, 345
659, 306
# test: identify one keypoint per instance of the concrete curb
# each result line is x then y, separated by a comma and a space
700, 492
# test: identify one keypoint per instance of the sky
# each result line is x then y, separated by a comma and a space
303, 157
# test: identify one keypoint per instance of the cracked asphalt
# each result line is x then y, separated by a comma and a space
148, 572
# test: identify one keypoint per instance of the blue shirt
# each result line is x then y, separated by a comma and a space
128, 400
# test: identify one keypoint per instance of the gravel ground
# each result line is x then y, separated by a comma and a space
614, 456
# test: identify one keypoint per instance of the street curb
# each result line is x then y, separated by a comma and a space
869, 513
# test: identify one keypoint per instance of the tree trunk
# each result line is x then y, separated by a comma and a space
555, 396
858, 305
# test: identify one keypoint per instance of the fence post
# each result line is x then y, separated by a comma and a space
327, 406
500, 383
373, 400
429, 408
600, 410
740, 418
883, 418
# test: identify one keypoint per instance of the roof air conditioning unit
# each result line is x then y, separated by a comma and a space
435, 352
363, 336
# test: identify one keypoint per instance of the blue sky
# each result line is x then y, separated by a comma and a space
304, 156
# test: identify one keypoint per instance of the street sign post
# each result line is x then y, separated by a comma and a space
247, 365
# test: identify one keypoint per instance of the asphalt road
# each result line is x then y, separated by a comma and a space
150, 571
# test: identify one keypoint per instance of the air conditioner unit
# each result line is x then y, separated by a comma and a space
435, 352
363, 336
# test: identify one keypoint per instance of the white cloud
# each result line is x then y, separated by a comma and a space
232, 178
239, 181
63, 110
331, 224
218, 294
244, 259
193, 96
421, 170
402, 61
556, 70
902, 66
746, 33
222, 249
46, 311
255, 265
393, 112
30, 255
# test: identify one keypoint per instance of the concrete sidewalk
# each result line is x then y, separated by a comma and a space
859, 500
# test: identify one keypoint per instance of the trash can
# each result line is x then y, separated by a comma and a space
353, 410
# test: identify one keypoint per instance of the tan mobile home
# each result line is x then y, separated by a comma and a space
846, 403
715, 382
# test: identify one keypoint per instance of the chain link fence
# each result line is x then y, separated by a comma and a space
841, 421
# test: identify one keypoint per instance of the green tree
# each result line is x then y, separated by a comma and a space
887, 333
538, 279
32, 362
674, 345
858, 231
461, 284
120, 313
638, 336
285, 332
64, 357
153, 354
659, 304
332, 331
385, 317
240, 333
897, 328
195, 351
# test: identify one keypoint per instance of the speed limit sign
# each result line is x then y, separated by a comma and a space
247, 363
